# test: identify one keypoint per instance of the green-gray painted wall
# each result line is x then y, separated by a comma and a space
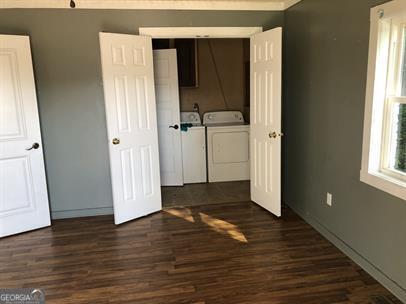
66, 56
325, 69
325, 60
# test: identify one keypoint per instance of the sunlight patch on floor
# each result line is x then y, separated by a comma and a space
184, 213
223, 227
217, 225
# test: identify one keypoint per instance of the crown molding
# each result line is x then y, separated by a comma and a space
289, 3
232, 5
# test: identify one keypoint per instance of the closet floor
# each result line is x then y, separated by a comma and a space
206, 194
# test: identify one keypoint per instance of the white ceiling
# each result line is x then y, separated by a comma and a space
260, 5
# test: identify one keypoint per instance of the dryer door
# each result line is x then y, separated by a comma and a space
228, 153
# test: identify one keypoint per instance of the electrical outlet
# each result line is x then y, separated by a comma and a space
329, 200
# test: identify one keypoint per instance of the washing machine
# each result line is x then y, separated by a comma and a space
193, 148
227, 136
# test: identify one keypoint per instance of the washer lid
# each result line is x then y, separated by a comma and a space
190, 117
223, 117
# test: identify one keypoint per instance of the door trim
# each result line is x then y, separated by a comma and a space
199, 32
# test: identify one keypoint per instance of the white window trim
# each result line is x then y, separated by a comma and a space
371, 172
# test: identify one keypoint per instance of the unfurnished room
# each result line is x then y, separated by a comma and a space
182, 151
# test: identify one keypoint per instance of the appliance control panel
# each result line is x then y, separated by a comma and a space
226, 117
190, 117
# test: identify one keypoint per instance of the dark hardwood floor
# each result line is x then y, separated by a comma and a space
206, 194
224, 253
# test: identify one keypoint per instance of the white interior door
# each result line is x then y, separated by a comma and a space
168, 112
265, 136
129, 95
23, 189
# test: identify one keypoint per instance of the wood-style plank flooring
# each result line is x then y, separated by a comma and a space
225, 253
205, 194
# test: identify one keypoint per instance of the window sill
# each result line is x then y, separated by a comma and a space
385, 183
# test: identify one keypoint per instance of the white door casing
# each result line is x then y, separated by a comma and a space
128, 80
23, 190
168, 113
265, 136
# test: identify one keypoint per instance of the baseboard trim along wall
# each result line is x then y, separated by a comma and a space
376, 273
81, 212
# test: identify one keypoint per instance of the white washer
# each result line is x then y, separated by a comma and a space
193, 149
228, 157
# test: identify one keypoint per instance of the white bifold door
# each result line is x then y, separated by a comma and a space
265, 119
23, 189
129, 94
167, 101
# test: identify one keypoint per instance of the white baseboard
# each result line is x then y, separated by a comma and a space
376, 273
81, 212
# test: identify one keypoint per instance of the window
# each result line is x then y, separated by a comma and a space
384, 147
394, 130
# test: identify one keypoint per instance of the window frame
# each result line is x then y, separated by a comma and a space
393, 95
381, 93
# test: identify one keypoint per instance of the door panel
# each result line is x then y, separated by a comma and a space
167, 98
15, 174
23, 191
129, 95
265, 138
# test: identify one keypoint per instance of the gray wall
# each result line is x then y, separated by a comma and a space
66, 58
325, 66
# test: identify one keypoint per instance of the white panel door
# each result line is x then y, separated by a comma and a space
129, 95
265, 136
168, 112
23, 189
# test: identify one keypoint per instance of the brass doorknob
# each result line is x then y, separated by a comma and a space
275, 135
116, 141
